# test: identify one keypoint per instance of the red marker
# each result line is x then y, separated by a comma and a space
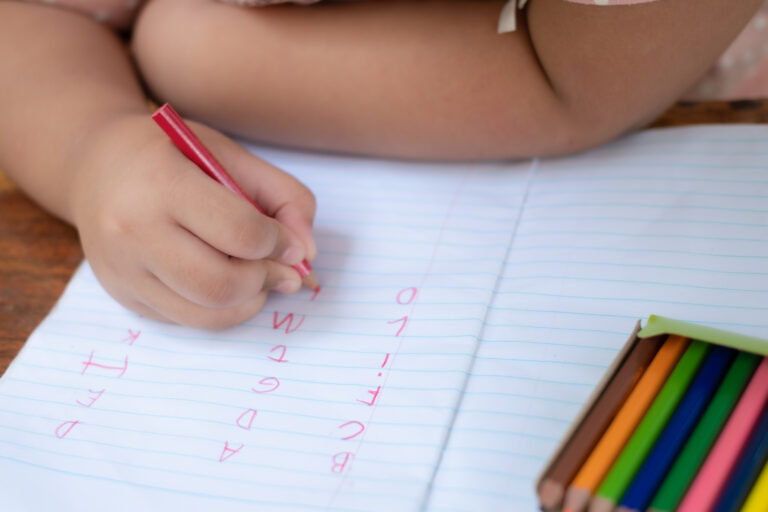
188, 143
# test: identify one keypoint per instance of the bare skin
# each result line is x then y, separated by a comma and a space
76, 135
431, 78
417, 79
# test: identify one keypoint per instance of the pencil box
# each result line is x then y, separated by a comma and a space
619, 379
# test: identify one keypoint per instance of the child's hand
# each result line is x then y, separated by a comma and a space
170, 243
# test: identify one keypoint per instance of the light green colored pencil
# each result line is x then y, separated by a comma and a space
680, 476
652, 424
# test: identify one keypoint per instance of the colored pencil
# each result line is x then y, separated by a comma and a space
747, 469
633, 454
708, 484
553, 484
187, 142
758, 496
671, 440
608, 448
704, 435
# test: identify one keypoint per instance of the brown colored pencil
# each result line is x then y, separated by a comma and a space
623, 424
551, 490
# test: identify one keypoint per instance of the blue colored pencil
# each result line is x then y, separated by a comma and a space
748, 466
662, 455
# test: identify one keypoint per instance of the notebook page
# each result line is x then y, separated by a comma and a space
669, 222
338, 402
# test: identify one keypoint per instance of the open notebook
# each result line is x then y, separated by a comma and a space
467, 311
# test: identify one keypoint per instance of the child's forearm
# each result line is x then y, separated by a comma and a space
404, 78
63, 78
431, 78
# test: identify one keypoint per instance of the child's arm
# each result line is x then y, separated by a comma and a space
432, 78
76, 134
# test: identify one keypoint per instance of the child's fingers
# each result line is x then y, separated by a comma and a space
279, 194
205, 276
168, 304
146, 312
132, 303
230, 224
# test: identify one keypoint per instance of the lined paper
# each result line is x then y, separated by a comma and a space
341, 402
467, 311
669, 222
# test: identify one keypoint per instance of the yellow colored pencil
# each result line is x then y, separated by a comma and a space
757, 501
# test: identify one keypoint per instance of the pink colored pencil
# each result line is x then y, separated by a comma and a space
717, 467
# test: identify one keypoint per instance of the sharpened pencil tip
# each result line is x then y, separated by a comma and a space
311, 282
550, 494
576, 499
601, 504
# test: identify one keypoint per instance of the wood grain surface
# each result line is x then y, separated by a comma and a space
39, 253
732, 112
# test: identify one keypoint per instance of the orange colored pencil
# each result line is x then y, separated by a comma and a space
599, 462
551, 489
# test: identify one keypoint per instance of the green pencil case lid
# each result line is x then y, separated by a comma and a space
661, 325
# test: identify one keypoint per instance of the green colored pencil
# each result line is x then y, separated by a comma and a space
697, 447
641, 442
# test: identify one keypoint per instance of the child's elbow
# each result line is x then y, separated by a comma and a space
580, 126
517, 114
564, 127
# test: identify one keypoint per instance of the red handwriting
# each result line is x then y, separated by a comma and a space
271, 382
315, 293
340, 461
386, 358
65, 428
373, 398
227, 452
287, 318
281, 357
403, 319
89, 363
411, 292
360, 426
245, 420
93, 398
132, 336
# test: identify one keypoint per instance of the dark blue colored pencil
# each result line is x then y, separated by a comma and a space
748, 466
662, 455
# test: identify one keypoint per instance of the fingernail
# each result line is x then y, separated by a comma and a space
292, 255
287, 286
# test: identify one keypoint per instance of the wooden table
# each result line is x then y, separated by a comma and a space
37, 257
38, 253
